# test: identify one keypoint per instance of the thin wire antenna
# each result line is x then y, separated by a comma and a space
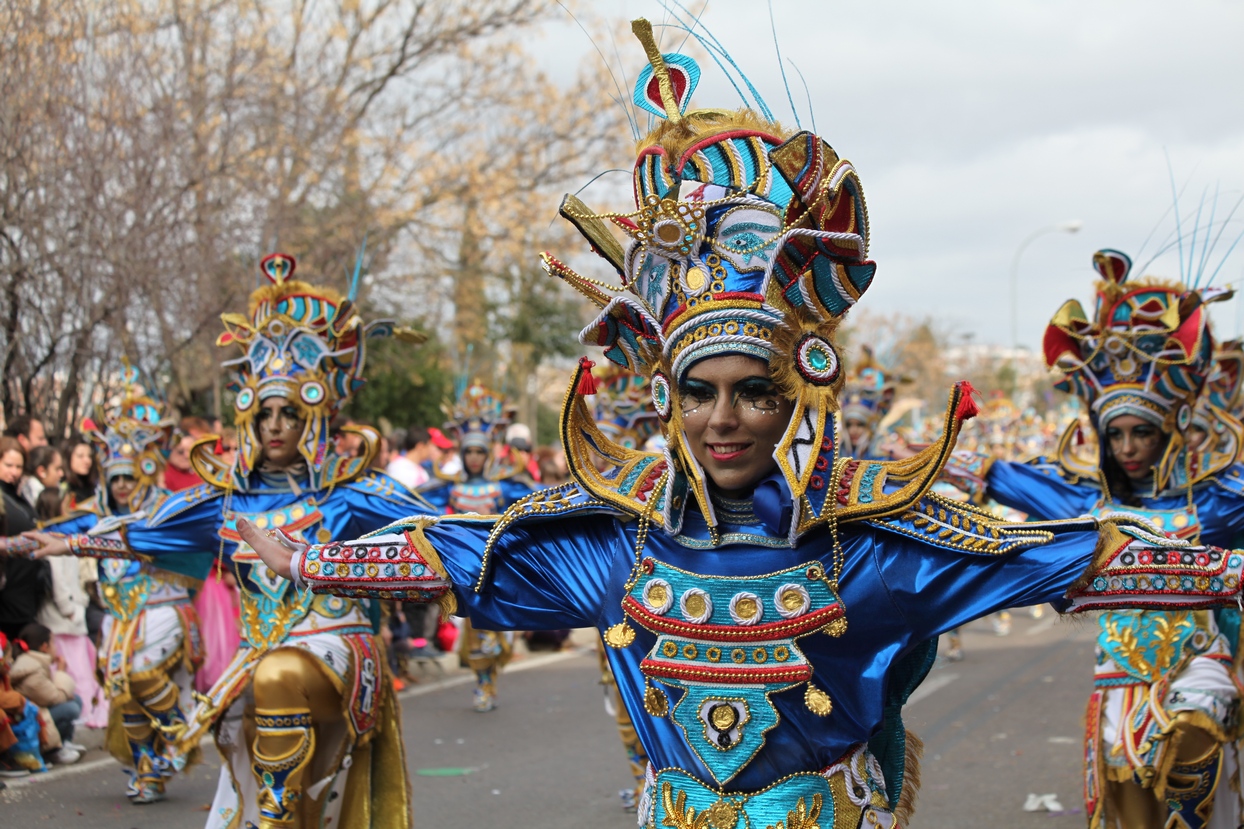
1178, 229
592, 180
696, 18
1227, 221
807, 94
760, 101
1189, 277
626, 102
1207, 246
629, 117
782, 66
1223, 261
724, 70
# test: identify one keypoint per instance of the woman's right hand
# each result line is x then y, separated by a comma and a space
49, 544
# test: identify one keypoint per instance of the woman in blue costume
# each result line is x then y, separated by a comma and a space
478, 416
1167, 695
868, 396
151, 641
768, 602
303, 716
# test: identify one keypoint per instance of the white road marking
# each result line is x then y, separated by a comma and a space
931, 686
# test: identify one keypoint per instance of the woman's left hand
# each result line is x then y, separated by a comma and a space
274, 554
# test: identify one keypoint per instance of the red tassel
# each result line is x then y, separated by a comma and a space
967, 407
587, 383
219, 448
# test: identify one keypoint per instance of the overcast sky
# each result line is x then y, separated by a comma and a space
974, 124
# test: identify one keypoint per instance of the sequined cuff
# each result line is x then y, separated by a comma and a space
1136, 566
18, 545
387, 565
102, 546
967, 472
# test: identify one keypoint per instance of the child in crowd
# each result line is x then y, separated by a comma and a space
65, 614
39, 675
44, 470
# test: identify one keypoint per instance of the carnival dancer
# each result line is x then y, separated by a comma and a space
867, 399
768, 602
1167, 697
625, 416
151, 638
480, 487
304, 717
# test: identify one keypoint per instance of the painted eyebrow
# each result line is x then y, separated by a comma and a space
694, 384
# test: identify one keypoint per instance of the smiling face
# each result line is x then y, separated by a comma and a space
733, 416
80, 460
280, 426
1135, 444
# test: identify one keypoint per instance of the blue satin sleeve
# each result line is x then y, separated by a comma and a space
79, 522
436, 493
1042, 496
183, 541
513, 490
375, 500
1220, 509
542, 575
937, 590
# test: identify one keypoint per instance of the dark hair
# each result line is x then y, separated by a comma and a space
41, 456
48, 504
35, 636
81, 486
20, 425
415, 435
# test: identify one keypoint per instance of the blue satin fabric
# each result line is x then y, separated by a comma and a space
571, 572
1036, 489
183, 534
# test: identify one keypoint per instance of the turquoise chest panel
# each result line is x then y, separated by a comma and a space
1146, 644
482, 497
267, 612
729, 643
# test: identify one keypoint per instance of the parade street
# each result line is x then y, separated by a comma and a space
1000, 727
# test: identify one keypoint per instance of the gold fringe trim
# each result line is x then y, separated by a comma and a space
1109, 540
911, 779
448, 602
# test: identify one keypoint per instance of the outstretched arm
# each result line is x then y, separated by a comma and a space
537, 574
1032, 488
1077, 566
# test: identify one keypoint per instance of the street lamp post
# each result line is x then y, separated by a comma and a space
1071, 226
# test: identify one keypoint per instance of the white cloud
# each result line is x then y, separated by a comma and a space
974, 124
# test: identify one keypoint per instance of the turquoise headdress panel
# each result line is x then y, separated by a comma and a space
133, 437
745, 239
304, 343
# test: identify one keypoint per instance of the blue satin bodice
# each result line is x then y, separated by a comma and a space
573, 571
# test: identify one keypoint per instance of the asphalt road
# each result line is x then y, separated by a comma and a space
1003, 724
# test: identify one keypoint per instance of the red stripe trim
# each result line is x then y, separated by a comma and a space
725, 634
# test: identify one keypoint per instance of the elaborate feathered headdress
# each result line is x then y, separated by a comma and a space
746, 238
1146, 351
477, 415
133, 437
304, 343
